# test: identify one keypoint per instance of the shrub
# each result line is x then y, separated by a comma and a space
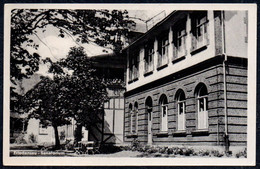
203, 152
32, 138
216, 153
163, 150
157, 155
188, 151
170, 151
242, 153
69, 145
229, 153
20, 139
62, 135
109, 148
135, 144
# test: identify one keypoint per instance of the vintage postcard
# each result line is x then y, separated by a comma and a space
129, 84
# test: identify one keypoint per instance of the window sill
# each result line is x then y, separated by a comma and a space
200, 132
199, 49
148, 73
43, 133
179, 133
132, 135
162, 66
178, 59
131, 81
162, 134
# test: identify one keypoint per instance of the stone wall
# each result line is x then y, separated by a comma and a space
212, 77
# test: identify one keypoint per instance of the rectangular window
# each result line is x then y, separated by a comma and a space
117, 106
121, 103
163, 49
149, 55
43, 129
199, 30
106, 105
111, 103
179, 39
134, 66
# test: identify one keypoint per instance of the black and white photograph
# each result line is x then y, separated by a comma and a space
129, 84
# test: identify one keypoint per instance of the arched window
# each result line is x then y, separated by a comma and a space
180, 99
164, 112
136, 118
202, 105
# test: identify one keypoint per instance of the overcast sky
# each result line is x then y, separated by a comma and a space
54, 47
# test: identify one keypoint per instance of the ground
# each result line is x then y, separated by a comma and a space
147, 151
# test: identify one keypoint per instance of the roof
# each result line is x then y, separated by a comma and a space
152, 29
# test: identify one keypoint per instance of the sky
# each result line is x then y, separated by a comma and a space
54, 47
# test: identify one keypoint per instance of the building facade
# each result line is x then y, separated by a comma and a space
187, 81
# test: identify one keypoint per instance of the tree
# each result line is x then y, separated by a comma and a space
103, 27
74, 92
86, 90
47, 102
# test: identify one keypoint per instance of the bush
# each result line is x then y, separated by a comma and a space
135, 145
62, 135
203, 153
170, 151
69, 145
32, 138
109, 148
242, 153
187, 152
216, 153
20, 139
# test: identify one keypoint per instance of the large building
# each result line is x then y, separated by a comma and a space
187, 81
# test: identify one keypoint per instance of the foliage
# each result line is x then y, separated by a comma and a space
62, 135
157, 151
242, 153
102, 27
46, 101
77, 93
20, 139
135, 145
86, 91
32, 138
216, 153
109, 148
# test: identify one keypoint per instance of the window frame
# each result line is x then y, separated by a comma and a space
149, 58
134, 66
136, 117
43, 129
163, 45
179, 104
202, 114
180, 26
164, 113
196, 26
